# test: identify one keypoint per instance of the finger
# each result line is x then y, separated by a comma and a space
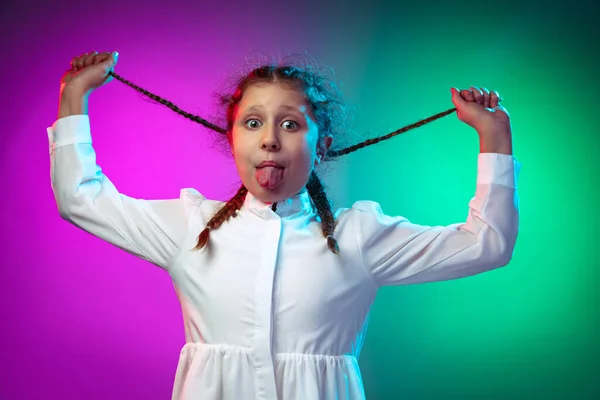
89, 59
457, 98
467, 95
80, 60
104, 56
74, 63
486, 97
478, 94
494, 99
113, 58
109, 65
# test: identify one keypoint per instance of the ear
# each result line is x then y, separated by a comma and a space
323, 147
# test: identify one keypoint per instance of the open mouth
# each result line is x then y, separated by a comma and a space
269, 164
269, 174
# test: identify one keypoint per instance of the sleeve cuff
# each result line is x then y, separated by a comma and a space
73, 129
500, 169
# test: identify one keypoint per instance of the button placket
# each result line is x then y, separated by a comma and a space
265, 373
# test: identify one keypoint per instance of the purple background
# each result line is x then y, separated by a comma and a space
81, 319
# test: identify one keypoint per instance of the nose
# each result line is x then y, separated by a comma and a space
270, 141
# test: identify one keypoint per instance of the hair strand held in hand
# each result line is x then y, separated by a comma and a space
330, 154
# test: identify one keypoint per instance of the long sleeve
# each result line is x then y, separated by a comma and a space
149, 229
397, 252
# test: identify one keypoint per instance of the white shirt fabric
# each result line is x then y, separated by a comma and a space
269, 311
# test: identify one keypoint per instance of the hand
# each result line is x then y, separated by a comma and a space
88, 72
480, 109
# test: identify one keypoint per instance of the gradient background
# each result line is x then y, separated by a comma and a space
83, 320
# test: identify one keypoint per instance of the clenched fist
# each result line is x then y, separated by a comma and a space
480, 109
88, 72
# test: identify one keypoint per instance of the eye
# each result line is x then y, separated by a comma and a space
253, 124
290, 125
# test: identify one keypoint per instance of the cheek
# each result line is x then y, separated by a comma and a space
307, 152
311, 146
238, 150
237, 143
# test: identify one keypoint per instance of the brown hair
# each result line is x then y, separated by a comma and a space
329, 110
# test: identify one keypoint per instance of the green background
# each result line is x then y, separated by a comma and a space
529, 330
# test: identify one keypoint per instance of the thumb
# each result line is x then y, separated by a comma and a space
457, 98
111, 61
107, 66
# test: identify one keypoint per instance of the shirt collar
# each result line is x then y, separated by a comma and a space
290, 206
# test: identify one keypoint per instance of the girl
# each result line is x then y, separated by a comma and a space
275, 288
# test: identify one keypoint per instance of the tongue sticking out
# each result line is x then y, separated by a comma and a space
269, 177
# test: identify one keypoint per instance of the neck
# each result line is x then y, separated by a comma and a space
283, 206
278, 199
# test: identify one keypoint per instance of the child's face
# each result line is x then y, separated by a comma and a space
273, 123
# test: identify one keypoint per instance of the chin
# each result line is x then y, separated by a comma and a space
280, 193
268, 195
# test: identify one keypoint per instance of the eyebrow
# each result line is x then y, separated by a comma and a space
258, 107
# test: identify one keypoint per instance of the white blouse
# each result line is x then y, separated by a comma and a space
269, 311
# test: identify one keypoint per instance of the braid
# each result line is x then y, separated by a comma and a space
330, 154
317, 193
172, 106
369, 142
227, 211
314, 186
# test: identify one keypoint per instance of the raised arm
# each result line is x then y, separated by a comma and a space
399, 252
150, 229
396, 251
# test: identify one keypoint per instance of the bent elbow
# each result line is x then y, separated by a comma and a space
65, 210
503, 252
504, 258
68, 205
65, 213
